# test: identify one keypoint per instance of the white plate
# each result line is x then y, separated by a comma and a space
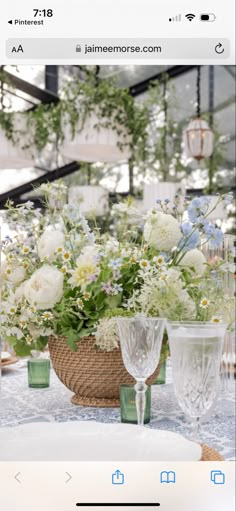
93, 441
5, 355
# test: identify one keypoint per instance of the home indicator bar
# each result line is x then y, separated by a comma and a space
121, 504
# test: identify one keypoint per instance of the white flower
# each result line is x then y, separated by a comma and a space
90, 251
162, 231
80, 303
14, 332
159, 260
86, 269
144, 263
204, 303
216, 319
14, 274
106, 334
48, 244
44, 288
195, 259
36, 331
47, 316
112, 245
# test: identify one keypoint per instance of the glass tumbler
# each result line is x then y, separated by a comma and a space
38, 373
196, 351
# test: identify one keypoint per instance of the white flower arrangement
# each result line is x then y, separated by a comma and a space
65, 279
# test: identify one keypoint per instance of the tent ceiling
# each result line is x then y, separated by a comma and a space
29, 82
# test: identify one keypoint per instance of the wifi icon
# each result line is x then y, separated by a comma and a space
190, 17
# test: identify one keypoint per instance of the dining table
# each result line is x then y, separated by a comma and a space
21, 405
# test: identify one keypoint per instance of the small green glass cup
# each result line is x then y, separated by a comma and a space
161, 378
38, 373
128, 410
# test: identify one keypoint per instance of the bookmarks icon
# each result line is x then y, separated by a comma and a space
168, 477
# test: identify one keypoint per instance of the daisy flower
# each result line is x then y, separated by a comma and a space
80, 303
159, 260
144, 264
25, 250
33, 309
47, 316
10, 258
163, 277
23, 323
66, 255
204, 303
86, 296
12, 310
215, 319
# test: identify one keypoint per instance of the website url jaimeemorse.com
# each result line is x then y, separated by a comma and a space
93, 48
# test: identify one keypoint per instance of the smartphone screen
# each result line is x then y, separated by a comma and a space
117, 255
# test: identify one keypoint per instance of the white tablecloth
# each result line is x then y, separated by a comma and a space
20, 405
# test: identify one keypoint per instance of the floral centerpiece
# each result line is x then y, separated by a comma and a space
60, 278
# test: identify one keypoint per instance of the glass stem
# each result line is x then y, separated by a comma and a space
195, 429
140, 388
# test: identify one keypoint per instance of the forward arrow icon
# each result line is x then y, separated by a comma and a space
70, 477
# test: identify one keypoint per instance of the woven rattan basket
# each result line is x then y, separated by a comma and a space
92, 374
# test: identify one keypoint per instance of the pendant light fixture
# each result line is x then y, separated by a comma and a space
198, 137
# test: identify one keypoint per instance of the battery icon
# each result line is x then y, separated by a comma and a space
207, 17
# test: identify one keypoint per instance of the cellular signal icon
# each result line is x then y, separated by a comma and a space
176, 18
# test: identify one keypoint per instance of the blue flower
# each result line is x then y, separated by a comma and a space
198, 208
186, 228
214, 235
115, 264
117, 288
191, 238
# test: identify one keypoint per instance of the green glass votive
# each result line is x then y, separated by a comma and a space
38, 373
128, 405
161, 378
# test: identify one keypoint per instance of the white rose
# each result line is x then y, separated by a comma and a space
49, 242
162, 231
194, 259
14, 274
44, 288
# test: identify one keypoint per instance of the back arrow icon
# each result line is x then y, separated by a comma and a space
219, 48
16, 477
70, 477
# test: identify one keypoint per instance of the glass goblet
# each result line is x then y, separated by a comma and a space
196, 350
141, 340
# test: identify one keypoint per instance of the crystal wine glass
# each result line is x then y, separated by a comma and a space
196, 350
141, 340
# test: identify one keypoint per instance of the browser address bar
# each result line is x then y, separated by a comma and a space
137, 49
